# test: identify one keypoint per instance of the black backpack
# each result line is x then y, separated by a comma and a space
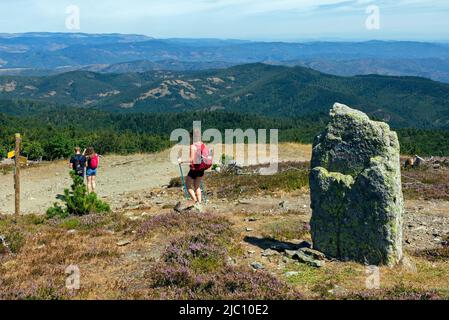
78, 165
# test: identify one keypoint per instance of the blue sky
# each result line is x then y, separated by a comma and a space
242, 19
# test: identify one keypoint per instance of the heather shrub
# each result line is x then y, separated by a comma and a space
13, 241
243, 284
78, 201
174, 221
227, 283
47, 291
194, 264
115, 221
199, 252
70, 223
398, 292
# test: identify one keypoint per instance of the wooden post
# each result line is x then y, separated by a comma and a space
17, 174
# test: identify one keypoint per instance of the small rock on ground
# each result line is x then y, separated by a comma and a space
269, 253
257, 266
304, 258
123, 243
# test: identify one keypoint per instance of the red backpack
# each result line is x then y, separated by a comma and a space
94, 162
203, 159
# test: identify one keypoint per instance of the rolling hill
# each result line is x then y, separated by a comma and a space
32, 54
252, 88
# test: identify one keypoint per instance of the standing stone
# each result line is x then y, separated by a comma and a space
356, 191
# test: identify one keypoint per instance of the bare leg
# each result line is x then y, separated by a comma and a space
190, 185
89, 184
94, 184
197, 184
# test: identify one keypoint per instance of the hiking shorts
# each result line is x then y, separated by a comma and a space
91, 172
196, 174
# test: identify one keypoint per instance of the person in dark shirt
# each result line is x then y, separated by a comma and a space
78, 162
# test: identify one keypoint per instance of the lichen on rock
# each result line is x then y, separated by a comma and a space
356, 190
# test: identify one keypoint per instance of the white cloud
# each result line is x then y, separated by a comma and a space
227, 18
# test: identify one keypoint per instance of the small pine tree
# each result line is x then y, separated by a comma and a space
78, 201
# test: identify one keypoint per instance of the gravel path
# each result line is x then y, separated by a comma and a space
116, 175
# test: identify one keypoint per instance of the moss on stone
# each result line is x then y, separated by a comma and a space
356, 191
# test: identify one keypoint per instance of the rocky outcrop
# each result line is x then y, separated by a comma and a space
356, 190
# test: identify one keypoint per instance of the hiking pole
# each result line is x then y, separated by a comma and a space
186, 193
203, 191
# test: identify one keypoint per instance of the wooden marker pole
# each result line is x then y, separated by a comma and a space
17, 174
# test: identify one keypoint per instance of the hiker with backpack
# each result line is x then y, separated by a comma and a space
91, 172
78, 162
200, 159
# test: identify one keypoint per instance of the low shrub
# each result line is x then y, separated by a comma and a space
228, 283
70, 223
48, 291
175, 183
233, 186
78, 201
398, 292
194, 265
291, 176
13, 241
174, 221
34, 219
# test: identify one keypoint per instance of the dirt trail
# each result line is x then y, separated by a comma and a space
117, 175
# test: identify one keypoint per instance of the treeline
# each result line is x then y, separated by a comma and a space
49, 143
51, 132
424, 142
46, 137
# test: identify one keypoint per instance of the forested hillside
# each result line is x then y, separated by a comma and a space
51, 131
254, 88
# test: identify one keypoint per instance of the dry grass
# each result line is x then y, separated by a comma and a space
343, 281
195, 263
418, 184
36, 268
180, 256
187, 256
292, 176
286, 228
286, 152
171, 256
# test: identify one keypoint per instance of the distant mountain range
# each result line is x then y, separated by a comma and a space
253, 88
38, 54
